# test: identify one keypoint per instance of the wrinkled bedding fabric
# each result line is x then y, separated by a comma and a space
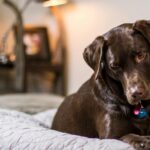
20, 131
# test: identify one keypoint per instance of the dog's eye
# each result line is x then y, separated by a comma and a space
114, 66
140, 57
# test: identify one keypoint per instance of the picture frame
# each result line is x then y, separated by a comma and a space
36, 44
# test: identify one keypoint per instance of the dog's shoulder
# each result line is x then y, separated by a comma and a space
84, 97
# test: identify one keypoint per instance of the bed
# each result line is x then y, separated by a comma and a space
22, 131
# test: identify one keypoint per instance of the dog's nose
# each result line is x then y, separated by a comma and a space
138, 93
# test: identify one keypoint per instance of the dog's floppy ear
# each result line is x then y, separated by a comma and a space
143, 26
93, 55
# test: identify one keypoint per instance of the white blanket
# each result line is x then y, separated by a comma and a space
19, 131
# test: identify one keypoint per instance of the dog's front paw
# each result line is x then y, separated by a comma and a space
138, 142
143, 143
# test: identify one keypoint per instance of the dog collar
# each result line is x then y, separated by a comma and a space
140, 112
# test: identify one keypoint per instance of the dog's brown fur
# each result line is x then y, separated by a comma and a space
103, 106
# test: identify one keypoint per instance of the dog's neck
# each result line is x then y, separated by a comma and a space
108, 92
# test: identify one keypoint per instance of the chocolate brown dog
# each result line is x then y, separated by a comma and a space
106, 106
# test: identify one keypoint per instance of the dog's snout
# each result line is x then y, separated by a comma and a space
137, 93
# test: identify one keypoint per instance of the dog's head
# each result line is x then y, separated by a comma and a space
122, 55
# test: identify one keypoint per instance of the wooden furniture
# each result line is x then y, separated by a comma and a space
32, 67
58, 82
19, 70
40, 62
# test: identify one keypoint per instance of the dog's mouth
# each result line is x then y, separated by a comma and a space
137, 102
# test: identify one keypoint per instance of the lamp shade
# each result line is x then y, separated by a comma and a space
49, 3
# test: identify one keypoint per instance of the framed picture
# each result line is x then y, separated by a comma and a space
36, 44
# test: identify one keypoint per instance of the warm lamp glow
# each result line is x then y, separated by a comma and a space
49, 3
